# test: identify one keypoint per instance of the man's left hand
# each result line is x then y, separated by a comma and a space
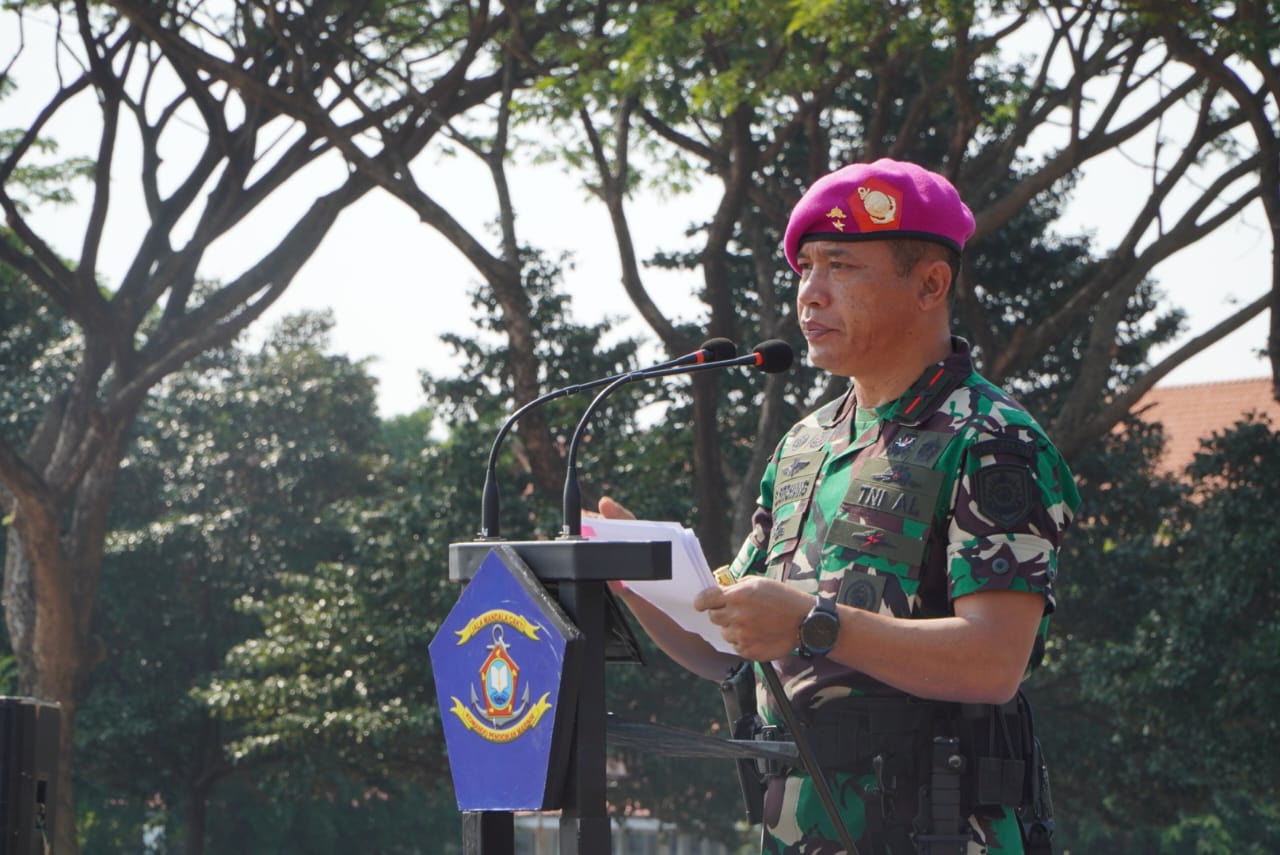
760, 617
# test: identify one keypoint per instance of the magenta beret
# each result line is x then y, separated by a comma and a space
884, 199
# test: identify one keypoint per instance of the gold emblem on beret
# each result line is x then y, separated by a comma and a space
837, 218
881, 207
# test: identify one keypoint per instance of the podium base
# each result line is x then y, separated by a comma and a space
488, 832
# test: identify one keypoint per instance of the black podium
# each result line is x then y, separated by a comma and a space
28, 774
572, 573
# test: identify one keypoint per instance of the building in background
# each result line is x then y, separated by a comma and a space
1198, 411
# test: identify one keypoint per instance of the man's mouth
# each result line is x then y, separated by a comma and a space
814, 331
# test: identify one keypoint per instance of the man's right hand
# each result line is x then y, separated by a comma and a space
611, 510
685, 647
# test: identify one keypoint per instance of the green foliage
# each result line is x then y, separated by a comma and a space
1111, 561
645, 465
1205, 650
1155, 704
42, 183
338, 670
228, 487
337, 674
1245, 29
38, 349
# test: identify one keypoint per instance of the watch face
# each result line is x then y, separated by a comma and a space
819, 630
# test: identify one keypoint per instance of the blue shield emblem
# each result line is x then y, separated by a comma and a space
506, 664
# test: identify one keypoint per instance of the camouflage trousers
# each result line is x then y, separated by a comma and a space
795, 822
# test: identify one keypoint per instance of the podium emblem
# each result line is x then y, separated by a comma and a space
499, 719
506, 666
499, 676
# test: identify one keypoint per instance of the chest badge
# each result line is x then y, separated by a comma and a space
797, 465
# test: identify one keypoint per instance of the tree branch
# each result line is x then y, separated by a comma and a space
1071, 442
612, 191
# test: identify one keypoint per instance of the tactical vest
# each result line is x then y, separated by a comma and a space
892, 516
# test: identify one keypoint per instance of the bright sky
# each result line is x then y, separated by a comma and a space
395, 285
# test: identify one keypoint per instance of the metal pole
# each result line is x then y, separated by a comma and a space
488, 832
584, 821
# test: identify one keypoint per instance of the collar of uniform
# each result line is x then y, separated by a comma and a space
938, 381
837, 410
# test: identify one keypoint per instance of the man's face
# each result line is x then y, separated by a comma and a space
854, 306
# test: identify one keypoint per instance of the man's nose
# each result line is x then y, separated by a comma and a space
813, 288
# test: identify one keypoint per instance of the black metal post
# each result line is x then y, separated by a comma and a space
488, 832
584, 820
28, 774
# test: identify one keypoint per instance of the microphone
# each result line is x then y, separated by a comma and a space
772, 357
711, 350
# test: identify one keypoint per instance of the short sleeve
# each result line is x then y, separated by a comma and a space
1014, 501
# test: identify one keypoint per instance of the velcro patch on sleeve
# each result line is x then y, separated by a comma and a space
1004, 493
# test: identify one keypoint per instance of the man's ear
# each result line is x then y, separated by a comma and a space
935, 284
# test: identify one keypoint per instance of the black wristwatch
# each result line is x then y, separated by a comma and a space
819, 629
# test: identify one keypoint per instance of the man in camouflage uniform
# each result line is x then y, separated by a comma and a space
911, 527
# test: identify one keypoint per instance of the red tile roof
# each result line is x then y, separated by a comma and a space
1194, 412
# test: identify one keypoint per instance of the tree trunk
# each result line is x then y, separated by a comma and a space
34, 645
52, 563
48, 664
47, 653
193, 820
19, 602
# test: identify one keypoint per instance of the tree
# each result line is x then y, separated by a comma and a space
229, 484
292, 85
528, 39
1197, 646
765, 98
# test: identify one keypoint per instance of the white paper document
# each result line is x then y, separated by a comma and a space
689, 571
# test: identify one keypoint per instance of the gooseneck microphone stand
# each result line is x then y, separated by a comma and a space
711, 350
771, 357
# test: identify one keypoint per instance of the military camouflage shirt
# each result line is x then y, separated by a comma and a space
949, 490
